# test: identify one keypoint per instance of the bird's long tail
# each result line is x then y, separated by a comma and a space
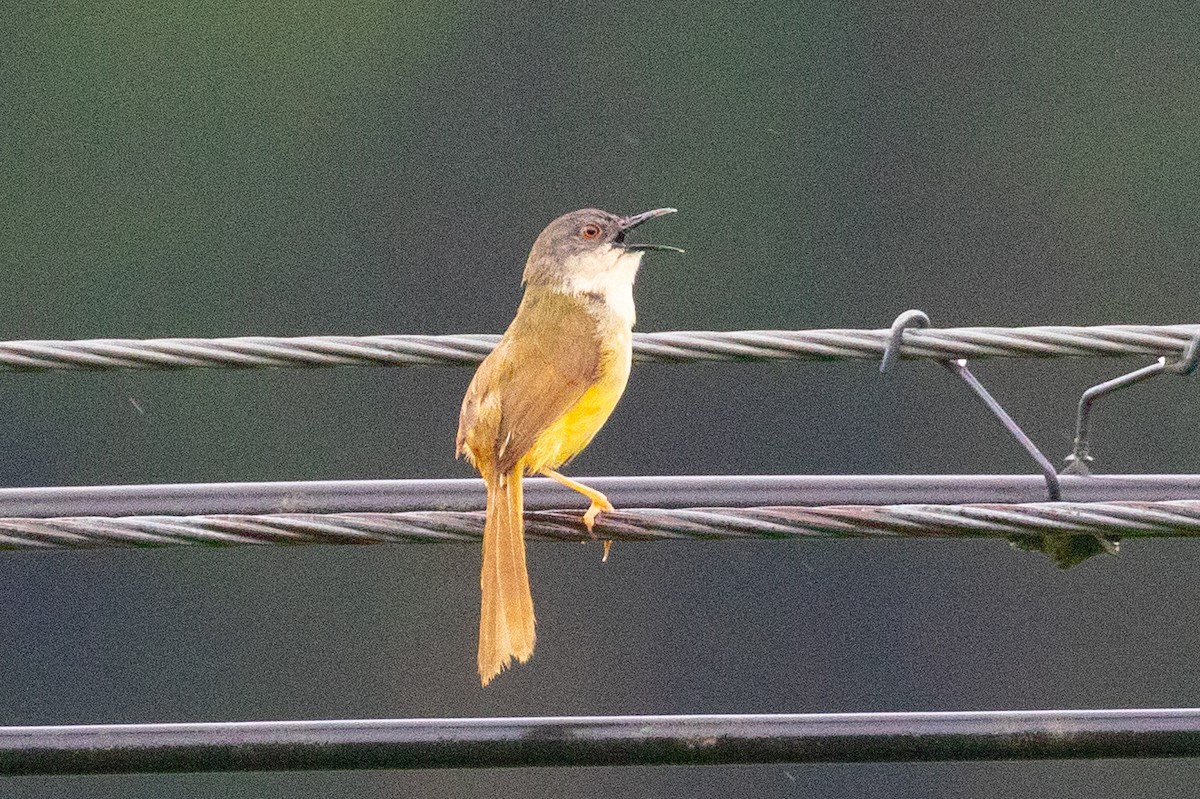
506, 613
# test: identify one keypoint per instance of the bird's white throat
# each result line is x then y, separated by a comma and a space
608, 273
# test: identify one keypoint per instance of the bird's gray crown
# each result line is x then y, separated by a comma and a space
579, 233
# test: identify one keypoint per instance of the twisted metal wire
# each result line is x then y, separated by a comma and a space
672, 347
1138, 519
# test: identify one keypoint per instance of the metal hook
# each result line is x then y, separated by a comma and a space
1191, 357
1077, 462
891, 350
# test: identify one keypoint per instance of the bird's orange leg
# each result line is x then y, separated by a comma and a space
600, 503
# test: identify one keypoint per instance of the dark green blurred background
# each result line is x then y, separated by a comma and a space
201, 170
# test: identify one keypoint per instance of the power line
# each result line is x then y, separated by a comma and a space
1045, 519
599, 741
671, 347
1101, 509
666, 492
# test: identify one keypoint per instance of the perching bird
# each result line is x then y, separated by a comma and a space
542, 394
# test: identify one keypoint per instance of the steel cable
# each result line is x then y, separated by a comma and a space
1141, 519
662, 491
599, 741
672, 347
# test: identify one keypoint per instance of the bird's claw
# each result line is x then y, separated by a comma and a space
596, 508
589, 519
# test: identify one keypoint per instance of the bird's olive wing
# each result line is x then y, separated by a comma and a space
548, 358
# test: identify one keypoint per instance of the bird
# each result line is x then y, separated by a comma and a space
541, 396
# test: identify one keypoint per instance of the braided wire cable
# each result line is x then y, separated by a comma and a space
670, 347
1174, 518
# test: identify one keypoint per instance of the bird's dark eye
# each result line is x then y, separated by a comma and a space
590, 231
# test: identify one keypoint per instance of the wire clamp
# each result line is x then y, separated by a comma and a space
891, 351
1078, 462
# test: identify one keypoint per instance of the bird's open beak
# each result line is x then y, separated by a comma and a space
630, 222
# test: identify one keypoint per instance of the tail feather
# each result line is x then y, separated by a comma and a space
506, 623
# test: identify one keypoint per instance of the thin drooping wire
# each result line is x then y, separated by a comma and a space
672, 347
1135, 519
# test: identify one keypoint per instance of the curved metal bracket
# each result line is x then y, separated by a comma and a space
891, 351
1077, 462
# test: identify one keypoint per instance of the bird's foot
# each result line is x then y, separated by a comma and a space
600, 504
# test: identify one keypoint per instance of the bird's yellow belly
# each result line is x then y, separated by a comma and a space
572, 431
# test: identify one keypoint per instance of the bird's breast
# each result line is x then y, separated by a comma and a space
572, 431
